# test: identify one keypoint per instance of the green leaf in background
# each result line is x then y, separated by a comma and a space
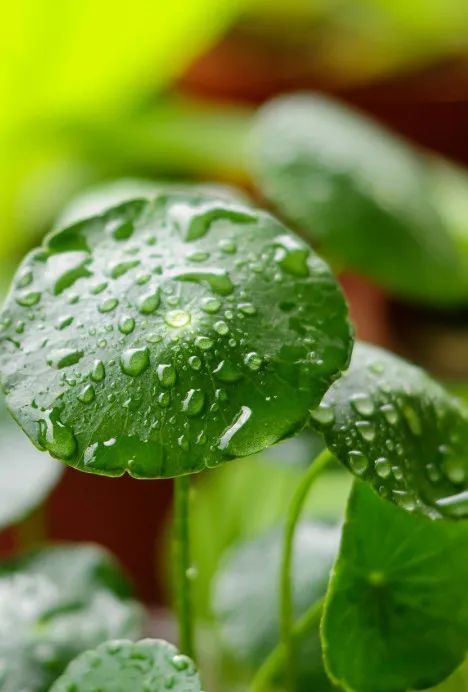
55, 603
110, 53
449, 192
95, 200
26, 476
396, 428
236, 325
150, 665
358, 191
245, 596
91, 63
396, 615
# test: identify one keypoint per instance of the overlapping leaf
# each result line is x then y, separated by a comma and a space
396, 428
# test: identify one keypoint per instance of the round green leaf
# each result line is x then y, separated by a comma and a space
396, 428
150, 665
359, 191
245, 597
26, 476
165, 336
98, 198
396, 616
55, 603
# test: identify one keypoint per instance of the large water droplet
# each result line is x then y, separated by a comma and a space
253, 361
210, 305
239, 422
27, 300
134, 361
56, 437
204, 342
227, 372
98, 372
120, 268
323, 415
108, 305
126, 324
383, 468
221, 327
292, 256
166, 374
87, 394
358, 462
64, 357
177, 318
149, 302
194, 402
363, 404
217, 279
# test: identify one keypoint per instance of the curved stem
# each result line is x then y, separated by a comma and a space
275, 659
182, 564
286, 598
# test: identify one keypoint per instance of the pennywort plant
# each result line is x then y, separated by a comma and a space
182, 329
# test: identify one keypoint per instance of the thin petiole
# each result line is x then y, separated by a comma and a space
182, 565
286, 598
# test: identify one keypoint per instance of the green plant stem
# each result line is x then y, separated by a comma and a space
275, 659
286, 588
182, 565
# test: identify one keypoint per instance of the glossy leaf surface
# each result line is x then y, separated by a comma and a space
26, 476
246, 596
97, 199
150, 665
54, 604
396, 428
396, 616
166, 336
358, 191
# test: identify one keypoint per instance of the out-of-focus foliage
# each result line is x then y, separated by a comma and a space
360, 41
360, 192
82, 62
232, 492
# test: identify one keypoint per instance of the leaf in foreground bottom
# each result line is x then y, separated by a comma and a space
150, 665
396, 616
55, 603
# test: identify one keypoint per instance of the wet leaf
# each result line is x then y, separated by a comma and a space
396, 615
358, 191
26, 476
246, 596
55, 603
396, 428
170, 335
98, 198
150, 665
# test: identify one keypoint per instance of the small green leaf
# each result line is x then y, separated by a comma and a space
26, 476
150, 665
396, 428
168, 335
359, 191
55, 603
396, 615
246, 596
